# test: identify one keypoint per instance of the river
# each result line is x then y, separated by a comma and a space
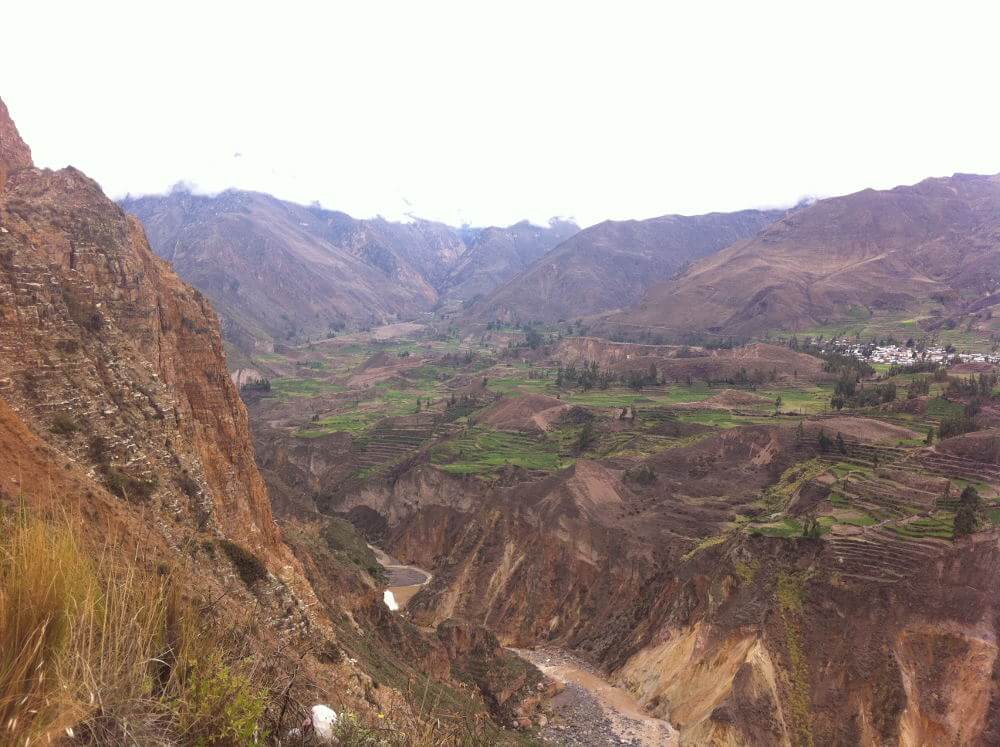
590, 711
404, 580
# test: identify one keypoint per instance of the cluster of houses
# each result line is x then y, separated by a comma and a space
903, 355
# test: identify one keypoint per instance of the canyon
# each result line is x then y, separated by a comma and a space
532, 483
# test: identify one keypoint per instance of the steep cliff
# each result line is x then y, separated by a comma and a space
109, 352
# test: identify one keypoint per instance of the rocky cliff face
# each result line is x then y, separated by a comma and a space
14, 154
104, 348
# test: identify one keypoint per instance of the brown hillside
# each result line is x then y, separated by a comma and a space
610, 265
531, 413
895, 251
495, 255
280, 272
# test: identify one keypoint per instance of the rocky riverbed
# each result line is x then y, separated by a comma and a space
590, 711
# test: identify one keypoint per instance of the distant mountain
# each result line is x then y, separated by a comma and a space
277, 271
608, 266
928, 252
495, 255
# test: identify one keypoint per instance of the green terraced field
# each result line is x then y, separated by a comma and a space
481, 450
289, 387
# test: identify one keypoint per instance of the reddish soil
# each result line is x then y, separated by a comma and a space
868, 430
532, 413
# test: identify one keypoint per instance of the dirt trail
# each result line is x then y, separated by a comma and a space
404, 580
592, 712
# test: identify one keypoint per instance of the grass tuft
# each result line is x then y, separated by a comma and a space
101, 649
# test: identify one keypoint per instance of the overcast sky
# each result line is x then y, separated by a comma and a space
488, 113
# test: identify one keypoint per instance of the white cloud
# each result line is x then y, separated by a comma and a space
490, 113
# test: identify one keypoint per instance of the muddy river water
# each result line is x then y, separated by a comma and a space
590, 711
404, 580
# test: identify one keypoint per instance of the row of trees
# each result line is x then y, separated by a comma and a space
848, 393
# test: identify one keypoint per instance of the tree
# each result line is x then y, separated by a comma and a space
585, 438
930, 436
800, 433
967, 515
824, 441
811, 528
841, 445
777, 403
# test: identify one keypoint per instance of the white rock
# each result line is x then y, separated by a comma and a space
323, 719
390, 600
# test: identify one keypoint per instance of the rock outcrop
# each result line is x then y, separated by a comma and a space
107, 350
14, 153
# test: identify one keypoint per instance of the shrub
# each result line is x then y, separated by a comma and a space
98, 449
218, 706
248, 566
967, 515
129, 487
67, 346
350, 731
64, 425
188, 485
341, 537
642, 475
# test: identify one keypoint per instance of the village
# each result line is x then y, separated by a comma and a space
909, 354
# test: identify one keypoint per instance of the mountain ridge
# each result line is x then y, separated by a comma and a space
277, 271
607, 266
877, 251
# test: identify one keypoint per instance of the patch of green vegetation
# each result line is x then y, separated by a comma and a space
606, 398
788, 528
941, 526
857, 519
842, 469
315, 365
481, 450
290, 387
790, 593
679, 394
720, 418
356, 423
343, 539
706, 543
509, 385
941, 408
746, 571
807, 399
838, 500
778, 496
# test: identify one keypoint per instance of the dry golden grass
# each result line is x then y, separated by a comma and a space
94, 647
